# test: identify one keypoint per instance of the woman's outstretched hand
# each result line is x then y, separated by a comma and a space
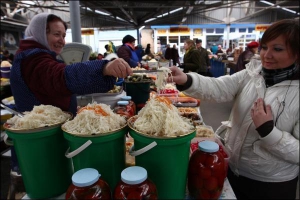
178, 76
117, 68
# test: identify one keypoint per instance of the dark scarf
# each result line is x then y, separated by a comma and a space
274, 76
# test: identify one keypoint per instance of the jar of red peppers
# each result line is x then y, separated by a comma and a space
134, 184
131, 103
124, 109
206, 172
87, 184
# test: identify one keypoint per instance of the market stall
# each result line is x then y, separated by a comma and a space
187, 107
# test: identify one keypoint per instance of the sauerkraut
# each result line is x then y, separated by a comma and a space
160, 118
94, 119
40, 116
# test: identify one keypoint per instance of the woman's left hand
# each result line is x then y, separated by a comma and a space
261, 113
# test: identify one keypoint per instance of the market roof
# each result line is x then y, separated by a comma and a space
114, 14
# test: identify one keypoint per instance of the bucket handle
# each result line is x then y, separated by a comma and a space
142, 150
77, 151
8, 141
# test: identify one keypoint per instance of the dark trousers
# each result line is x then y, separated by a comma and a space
245, 188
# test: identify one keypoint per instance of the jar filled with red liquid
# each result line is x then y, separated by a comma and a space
124, 109
206, 172
135, 184
131, 104
87, 184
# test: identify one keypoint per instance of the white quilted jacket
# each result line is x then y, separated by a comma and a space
274, 158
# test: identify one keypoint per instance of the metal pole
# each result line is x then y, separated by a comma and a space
75, 21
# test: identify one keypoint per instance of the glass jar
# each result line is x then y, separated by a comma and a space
87, 184
131, 103
124, 109
206, 172
134, 184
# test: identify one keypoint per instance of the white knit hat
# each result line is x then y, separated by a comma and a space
5, 64
36, 29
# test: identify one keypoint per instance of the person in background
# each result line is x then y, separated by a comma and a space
108, 51
192, 58
245, 57
204, 59
148, 51
230, 49
37, 77
168, 52
8, 56
175, 55
100, 56
219, 49
214, 48
127, 51
139, 52
262, 134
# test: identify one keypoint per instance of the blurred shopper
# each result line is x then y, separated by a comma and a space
148, 51
262, 134
100, 56
230, 49
204, 59
8, 56
139, 52
219, 50
108, 51
127, 51
214, 48
168, 52
245, 57
175, 55
192, 58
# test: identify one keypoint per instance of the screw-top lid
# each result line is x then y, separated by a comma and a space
208, 146
85, 177
127, 98
134, 175
123, 103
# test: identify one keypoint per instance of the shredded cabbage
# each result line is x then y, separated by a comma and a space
160, 118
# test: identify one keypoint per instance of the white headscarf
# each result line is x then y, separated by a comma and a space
36, 29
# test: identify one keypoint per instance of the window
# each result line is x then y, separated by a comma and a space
173, 39
242, 30
219, 30
250, 30
210, 30
232, 30
184, 38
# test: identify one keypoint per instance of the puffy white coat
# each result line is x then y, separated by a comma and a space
274, 158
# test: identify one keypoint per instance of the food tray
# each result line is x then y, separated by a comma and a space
192, 113
106, 94
184, 101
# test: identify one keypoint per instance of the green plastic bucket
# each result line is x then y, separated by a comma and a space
104, 152
165, 159
45, 170
139, 92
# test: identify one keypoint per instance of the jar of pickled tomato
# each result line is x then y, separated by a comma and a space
87, 184
206, 172
124, 109
134, 184
131, 103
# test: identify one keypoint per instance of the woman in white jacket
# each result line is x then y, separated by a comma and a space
262, 134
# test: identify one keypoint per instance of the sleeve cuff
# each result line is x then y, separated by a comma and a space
186, 85
266, 128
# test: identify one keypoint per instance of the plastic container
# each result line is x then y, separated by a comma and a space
124, 109
206, 174
135, 184
88, 184
106, 153
45, 170
131, 103
139, 91
166, 162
